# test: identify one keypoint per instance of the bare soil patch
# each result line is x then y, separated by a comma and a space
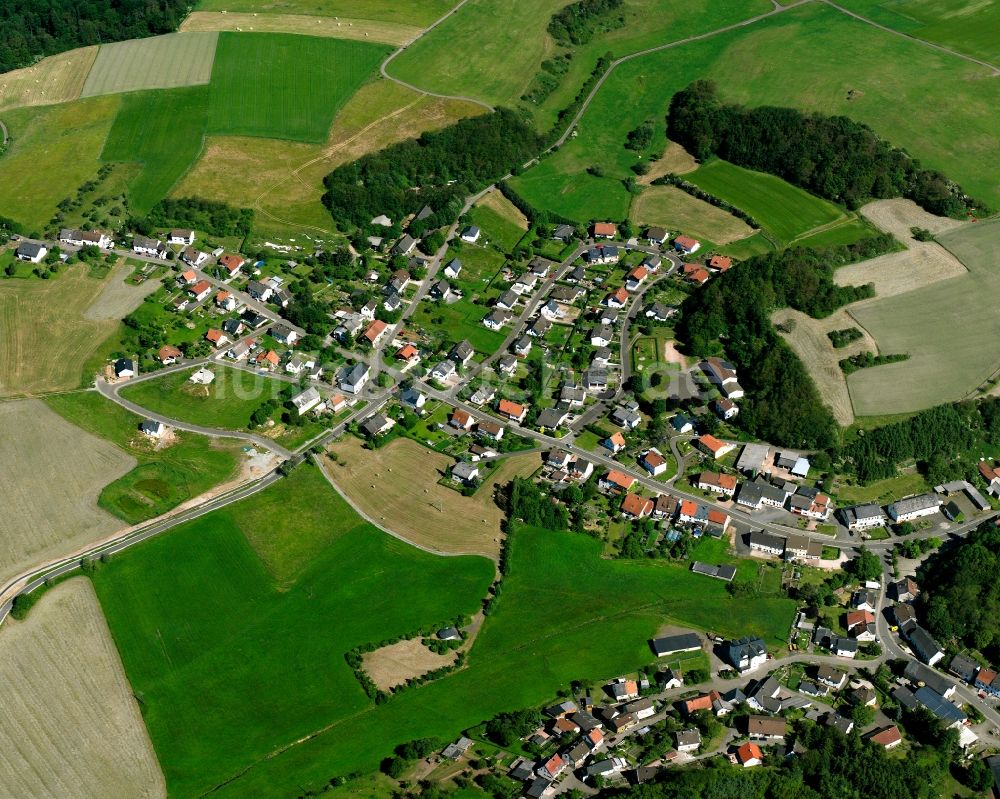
675, 159
333, 27
395, 664
809, 341
56, 79
672, 355
118, 299
921, 264
52, 473
397, 486
69, 725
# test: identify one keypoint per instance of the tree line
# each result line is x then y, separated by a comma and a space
832, 156
731, 316
33, 29
578, 22
436, 170
210, 216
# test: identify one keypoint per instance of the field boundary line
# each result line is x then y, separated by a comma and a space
925, 42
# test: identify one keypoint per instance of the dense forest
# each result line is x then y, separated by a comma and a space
731, 315
938, 439
32, 29
834, 157
578, 22
834, 767
214, 218
437, 170
960, 595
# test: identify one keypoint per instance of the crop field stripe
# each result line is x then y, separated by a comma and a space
160, 62
306, 81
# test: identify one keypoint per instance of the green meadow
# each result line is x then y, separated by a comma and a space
285, 86
940, 108
162, 130
237, 658
163, 478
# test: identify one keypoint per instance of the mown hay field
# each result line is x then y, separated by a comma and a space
53, 473
945, 328
162, 130
410, 502
336, 28
44, 336
56, 79
158, 62
285, 86
673, 209
69, 724
408, 12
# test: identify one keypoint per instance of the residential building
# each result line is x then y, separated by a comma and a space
308, 400
656, 236
512, 410
686, 245
715, 482
616, 299
886, 737
453, 268
722, 374
923, 645
759, 493
200, 290
749, 755
374, 332
377, 425
465, 472
86, 238
862, 517
168, 354
652, 461
746, 654
688, 740
635, 278
604, 230
353, 378
181, 236
919, 674
916, 507
497, 318
471, 234
766, 728
762, 541
725, 408
405, 245
618, 481
443, 370
712, 446
462, 353
461, 420
831, 677
722, 263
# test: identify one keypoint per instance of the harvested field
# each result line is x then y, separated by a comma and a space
339, 28
159, 62
503, 207
118, 299
56, 79
43, 336
395, 664
675, 159
404, 12
69, 725
809, 341
53, 473
921, 264
408, 501
669, 207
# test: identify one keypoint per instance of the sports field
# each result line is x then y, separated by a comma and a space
53, 150
940, 108
945, 328
165, 476
56, 79
185, 636
408, 12
245, 668
42, 450
305, 82
968, 26
784, 210
44, 337
158, 62
417, 507
677, 210
70, 726
162, 130
362, 29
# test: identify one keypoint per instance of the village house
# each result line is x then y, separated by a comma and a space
217, 338
616, 481
906, 510
525, 284
193, 256
563, 233
308, 400
443, 370
635, 278
802, 548
465, 472
652, 461
377, 425
226, 301
490, 429
862, 517
267, 360
686, 245
30, 251
453, 268
514, 411
688, 740
151, 248
695, 274
717, 483
831, 677
497, 318
259, 291
471, 234
181, 236
659, 312
462, 353
626, 418
374, 332
539, 327
552, 418
232, 264
749, 755
634, 506
353, 378
759, 493
241, 350
616, 299
722, 374
522, 347
168, 354
408, 353
657, 236
405, 245
886, 737
461, 420
746, 654
710, 445
200, 290
601, 336
441, 290
604, 230
721, 263
86, 238
284, 334
766, 543
766, 728
725, 408
615, 442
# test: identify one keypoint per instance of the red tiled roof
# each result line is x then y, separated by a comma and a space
688, 507
718, 517
703, 702
685, 241
230, 262
604, 229
461, 417
887, 737
639, 273
634, 505
168, 351
375, 330
620, 479
617, 439
200, 287
215, 336
720, 262
511, 409
653, 459
710, 442
406, 352
749, 752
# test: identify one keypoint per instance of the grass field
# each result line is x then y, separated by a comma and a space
369, 30
968, 26
70, 726
162, 130
502, 224
409, 12
56, 79
942, 327
783, 210
417, 507
118, 298
669, 207
53, 150
459, 320
158, 62
306, 81
44, 337
41, 451
185, 648
192, 641
163, 478
911, 95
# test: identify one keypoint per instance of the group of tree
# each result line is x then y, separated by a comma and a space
959, 599
33, 29
578, 22
731, 316
527, 502
435, 170
832, 156
507, 728
209, 216
866, 360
